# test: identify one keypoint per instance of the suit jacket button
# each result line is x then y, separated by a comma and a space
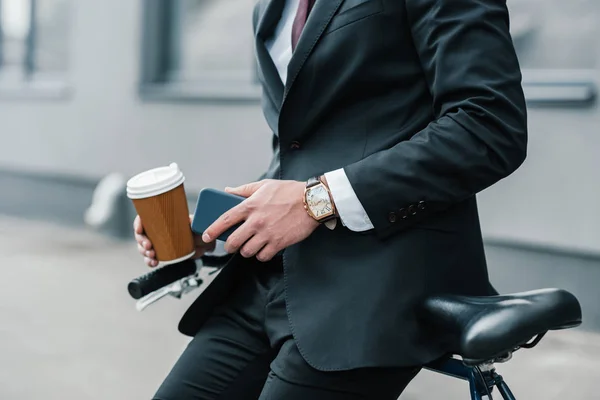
403, 213
392, 217
421, 205
412, 210
295, 145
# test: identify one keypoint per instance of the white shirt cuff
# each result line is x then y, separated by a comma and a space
349, 207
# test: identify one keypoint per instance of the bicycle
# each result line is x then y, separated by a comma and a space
477, 331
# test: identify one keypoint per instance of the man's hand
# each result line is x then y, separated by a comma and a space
273, 217
146, 250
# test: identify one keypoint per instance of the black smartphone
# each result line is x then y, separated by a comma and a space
212, 203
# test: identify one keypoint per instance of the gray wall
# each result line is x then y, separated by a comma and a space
102, 126
553, 199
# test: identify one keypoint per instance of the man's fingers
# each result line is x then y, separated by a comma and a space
137, 225
246, 190
143, 241
267, 253
150, 262
231, 218
253, 246
145, 252
238, 238
139, 236
143, 244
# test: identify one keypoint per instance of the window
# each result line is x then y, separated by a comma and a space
33, 44
557, 46
199, 49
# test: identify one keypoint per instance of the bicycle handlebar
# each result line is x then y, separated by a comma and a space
161, 277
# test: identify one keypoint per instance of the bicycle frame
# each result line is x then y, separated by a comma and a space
457, 369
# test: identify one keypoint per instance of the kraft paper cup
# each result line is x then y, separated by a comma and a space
159, 198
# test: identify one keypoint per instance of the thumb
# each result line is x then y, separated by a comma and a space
246, 190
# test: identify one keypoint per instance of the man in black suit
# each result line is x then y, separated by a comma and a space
388, 116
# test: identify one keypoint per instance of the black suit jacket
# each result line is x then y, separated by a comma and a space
420, 101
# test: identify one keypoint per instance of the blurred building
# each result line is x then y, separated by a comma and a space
88, 88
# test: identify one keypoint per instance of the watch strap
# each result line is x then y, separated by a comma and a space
313, 181
330, 223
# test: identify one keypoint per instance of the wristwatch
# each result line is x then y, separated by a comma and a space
318, 202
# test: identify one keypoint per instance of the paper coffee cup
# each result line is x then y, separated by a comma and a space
159, 198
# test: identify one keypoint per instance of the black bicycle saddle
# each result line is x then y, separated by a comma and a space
480, 329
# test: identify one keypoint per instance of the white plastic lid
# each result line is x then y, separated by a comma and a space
154, 182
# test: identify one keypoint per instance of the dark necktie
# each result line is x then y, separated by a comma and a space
304, 8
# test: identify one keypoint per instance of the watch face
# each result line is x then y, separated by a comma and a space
318, 202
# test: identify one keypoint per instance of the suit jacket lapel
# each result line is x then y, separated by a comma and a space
267, 23
320, 16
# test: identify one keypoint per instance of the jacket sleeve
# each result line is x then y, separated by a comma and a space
479, 135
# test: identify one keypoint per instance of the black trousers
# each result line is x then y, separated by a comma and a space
246, 351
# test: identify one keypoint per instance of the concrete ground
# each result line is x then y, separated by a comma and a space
69, 330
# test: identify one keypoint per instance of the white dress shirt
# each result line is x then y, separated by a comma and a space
349, 207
